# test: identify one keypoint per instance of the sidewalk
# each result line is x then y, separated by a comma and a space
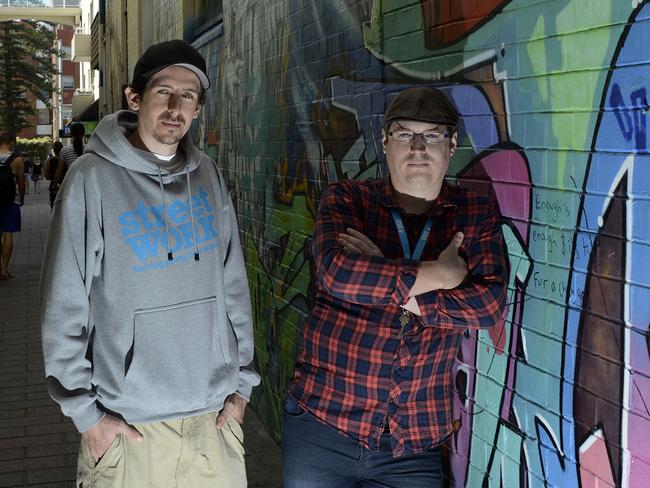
38, 445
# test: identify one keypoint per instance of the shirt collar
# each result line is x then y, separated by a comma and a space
448, 197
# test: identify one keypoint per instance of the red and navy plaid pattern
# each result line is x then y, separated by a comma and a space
353, 371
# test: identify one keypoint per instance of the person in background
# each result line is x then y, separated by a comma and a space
27, 169
12, 196
147, 323
50, 169
404, 265
37, 173
69, 154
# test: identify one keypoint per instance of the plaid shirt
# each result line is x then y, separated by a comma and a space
353, 371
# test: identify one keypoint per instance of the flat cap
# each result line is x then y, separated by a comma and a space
423, 104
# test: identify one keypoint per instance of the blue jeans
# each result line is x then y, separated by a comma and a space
317, 456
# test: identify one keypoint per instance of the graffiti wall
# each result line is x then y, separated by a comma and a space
553, 97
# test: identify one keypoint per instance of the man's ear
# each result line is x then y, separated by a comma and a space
132, 98
196, 113
384, 139
453, 143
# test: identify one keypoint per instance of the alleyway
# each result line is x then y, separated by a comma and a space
38, 445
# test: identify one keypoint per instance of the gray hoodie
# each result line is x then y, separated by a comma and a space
146, 309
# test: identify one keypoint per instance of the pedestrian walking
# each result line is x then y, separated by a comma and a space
27, 169
12, 196
69, 154
404, 265
50, 169
147, 322
37, 173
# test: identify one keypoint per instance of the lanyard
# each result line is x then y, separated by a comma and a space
419, 247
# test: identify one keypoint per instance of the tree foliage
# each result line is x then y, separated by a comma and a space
26, 66
37, 148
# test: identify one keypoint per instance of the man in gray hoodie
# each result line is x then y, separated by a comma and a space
147, 324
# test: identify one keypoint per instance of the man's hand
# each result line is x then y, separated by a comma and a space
234, 407
354, 241
451, 266
445, 273
99, 437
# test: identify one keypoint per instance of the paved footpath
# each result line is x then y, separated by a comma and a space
38, 445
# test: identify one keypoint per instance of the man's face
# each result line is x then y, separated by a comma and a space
417, 168
166, 108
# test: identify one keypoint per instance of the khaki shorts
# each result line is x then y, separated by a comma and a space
186, 453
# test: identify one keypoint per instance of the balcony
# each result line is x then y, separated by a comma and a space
94, 43
40, 3
81, 47
44, 130
54, 11
81, 100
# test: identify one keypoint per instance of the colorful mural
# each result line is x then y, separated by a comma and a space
553, 97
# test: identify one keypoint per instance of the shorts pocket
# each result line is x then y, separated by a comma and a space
111, 457
105, 471
236, 429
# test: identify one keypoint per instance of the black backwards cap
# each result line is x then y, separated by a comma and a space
423, 104
169, 53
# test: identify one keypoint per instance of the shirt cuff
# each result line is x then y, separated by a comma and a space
406, 275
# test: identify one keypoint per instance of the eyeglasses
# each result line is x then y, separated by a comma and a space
428, 136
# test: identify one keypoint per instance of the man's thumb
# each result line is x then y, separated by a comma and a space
458, 239
133, 434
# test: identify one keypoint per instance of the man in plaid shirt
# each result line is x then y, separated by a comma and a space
404, 265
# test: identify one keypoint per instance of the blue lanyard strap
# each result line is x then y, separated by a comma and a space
406, 248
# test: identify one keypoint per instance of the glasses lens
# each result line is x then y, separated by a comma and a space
433, 137
402, 135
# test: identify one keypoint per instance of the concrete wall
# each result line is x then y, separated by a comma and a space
115, 49
167, 20
134, 20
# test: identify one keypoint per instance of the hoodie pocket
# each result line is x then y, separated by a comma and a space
174, 356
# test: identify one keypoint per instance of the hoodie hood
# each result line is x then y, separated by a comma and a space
110, 142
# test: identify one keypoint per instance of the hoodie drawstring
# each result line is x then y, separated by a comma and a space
189, 200
170, 254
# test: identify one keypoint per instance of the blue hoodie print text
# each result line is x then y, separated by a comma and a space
143, 229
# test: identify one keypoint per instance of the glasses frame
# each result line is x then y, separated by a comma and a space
446, 135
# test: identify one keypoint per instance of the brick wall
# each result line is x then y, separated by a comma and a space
553, 101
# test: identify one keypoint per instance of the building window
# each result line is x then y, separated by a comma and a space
207, 13
43, 116
66, 112
68, 82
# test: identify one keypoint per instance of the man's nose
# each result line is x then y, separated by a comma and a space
418, 144
173, 103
